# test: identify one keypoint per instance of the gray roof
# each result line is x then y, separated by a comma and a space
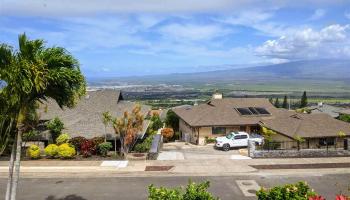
85, 119
318, 125
221, 112
345, 111
333, 111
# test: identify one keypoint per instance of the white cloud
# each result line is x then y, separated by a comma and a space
193, 31
318, 14
347, 15
330, 42
247, 18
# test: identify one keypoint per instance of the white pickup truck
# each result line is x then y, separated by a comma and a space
237, 139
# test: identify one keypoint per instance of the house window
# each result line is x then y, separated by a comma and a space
218, 130
326, 141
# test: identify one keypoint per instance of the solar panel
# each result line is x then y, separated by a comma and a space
262, 111
244, 111
252, 110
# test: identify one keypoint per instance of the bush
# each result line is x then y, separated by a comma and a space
66, 151
172, 120
177, 135
145, 146
104, 147
209, 140
167, 133
98, 140
193, 191
33, 152
63, 138
77, 142
51, 150
297, 191
88, 148
55, 126
156, 122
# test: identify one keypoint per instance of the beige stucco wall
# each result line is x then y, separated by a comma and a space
207, 132
280, 138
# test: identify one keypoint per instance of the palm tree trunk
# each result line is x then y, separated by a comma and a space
17, 162
105, 135
115, 145
11, 166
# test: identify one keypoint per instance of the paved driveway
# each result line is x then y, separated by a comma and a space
182, 151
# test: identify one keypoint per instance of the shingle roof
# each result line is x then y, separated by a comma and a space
345, 111
221, 112
328, 109
85, 119
317, 125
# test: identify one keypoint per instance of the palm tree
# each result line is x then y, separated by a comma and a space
35, 73
106, 119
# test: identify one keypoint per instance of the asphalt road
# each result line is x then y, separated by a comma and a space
126, 188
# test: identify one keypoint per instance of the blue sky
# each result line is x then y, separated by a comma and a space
126, 38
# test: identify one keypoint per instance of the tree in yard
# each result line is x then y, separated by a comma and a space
271, 100
55, 126
127, 127
268, 133
172, 120
285, 103
34, 73
303, 102
156, 122
106, 119
277, 103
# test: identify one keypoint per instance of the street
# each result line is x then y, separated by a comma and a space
130, 188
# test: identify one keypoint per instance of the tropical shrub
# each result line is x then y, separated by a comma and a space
193, 191
77, 142
167, 133
98, 140
51, 150
55, 126
176, 135
297, 191
172, 120
209, 140
145, 146
156, 122
63, 138
104, 147
33, 152
66, 151
344, 117
88, 148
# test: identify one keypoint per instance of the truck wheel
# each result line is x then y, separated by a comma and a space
226, 147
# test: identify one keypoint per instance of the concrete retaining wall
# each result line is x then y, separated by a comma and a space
301, 153
253, 153
157, 144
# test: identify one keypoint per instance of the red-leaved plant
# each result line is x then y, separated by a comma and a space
341, 197
88, 148
338, 197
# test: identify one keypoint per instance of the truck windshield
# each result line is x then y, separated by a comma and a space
229, 136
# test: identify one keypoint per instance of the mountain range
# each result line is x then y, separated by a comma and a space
317, 70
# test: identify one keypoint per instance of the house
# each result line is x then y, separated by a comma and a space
220, 116
85, 119
333, 111
345, 112
316, 129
